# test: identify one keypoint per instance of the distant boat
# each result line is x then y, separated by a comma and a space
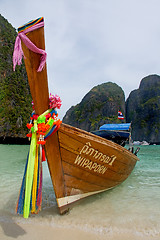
144, 143
140, 143
80, 163
118, 133
136, 143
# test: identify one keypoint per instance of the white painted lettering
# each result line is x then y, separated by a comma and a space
78, 159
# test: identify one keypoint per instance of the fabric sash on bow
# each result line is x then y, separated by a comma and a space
18, 52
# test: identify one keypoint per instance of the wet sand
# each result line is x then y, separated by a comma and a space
13, 230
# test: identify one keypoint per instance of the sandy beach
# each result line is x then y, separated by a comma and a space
13, 230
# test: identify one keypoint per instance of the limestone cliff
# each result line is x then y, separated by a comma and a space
99, 106
15, 97
143, 109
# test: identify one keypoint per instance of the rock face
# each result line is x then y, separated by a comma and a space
143, 109
99, 106
15, 97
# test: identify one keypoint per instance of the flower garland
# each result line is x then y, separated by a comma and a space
44, 123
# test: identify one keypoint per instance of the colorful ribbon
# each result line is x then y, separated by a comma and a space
30, 196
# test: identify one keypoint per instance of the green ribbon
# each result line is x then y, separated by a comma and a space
31, 163
29, 175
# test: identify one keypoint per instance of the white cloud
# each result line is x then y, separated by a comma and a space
93, 41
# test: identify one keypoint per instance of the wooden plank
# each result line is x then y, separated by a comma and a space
117, 167
79, 140
55, 165
108, 176
37, 80
84, 134
87, 176
72, 191
84, 186
73, 148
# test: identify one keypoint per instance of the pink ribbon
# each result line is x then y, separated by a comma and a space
18, 52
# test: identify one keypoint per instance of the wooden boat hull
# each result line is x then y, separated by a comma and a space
90, 164
80, 163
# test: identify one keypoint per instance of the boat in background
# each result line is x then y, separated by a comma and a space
143, 143
80, 163
118, 133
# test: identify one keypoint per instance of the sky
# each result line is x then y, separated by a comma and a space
90, 42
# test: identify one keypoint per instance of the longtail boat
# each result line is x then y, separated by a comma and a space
118, 133
80, 163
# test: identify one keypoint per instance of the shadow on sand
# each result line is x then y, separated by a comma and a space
10, 228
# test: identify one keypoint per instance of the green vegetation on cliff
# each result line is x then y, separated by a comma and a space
15, 97
143, 109
99, 106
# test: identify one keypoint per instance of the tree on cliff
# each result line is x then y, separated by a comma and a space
100, 105
15, 97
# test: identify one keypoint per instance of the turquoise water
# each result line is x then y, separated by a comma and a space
132, 207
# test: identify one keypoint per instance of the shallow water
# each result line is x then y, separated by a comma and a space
132, 207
